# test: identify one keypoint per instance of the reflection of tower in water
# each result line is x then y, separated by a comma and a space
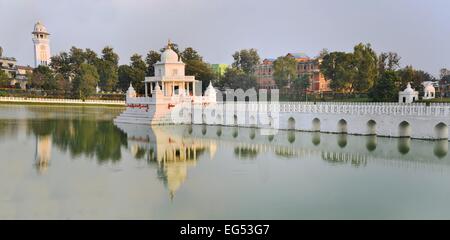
43, 152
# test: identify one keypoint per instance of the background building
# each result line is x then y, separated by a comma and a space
8, 65
264, 74
17, 74
305, 65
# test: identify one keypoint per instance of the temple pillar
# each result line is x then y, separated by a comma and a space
146, 90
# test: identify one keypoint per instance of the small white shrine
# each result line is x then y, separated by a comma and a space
408, 95
428, 90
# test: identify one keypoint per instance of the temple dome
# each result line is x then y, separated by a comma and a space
408, 89
40, 28
169, 56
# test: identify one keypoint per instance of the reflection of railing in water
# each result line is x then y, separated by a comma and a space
245, 153
288, 147
356, 160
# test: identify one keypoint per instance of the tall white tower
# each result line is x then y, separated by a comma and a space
41, 45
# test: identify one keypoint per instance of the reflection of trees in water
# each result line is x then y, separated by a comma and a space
246, 152
8, 128
140, 153
356, 160
86, 137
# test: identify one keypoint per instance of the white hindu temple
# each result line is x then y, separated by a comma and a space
408, 95
167, 90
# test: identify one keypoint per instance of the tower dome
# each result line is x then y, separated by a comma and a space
40, 28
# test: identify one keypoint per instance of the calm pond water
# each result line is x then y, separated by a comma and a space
61, 162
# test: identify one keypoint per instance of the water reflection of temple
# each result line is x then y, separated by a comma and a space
169, 149
43, 152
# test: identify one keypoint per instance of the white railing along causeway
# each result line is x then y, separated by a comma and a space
62, 101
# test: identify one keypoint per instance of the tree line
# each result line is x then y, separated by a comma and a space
363, 71
78, 72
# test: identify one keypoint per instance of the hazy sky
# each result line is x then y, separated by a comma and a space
418, 30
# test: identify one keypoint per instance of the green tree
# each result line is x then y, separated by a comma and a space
189, 54
62, 84
284, 71
42, 78
406, 76
137, 74
195, 66
388, 61
90, 57
365, 67
385, 89
152, 58
201, 71
77, 57
84, 84
246, 60
107, 68
125, 73
109, 55
338, 67
61, 63
137, 62
299, 87
236, 78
